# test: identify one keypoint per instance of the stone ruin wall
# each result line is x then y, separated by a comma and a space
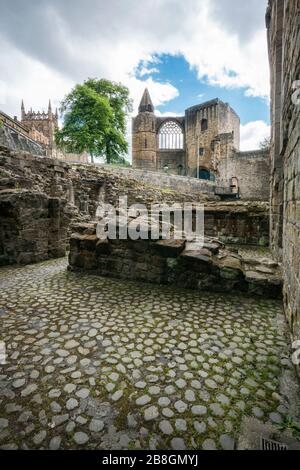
252, 170
283, 19
175, 262
81, 188
195, 139
33, 227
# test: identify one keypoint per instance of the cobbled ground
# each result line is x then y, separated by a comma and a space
95, 363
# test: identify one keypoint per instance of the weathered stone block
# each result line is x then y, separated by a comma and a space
103, 247
169, 248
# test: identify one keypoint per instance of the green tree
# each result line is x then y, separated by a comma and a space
95, 120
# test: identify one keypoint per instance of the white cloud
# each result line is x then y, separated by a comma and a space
30, 80
160, 92
50, 45
147, 71
253, 133
46, 47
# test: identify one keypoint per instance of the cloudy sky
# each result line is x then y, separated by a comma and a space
185, 52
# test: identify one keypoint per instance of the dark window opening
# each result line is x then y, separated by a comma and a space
180, 170
201, 151
204, 125
206, 175
146, 143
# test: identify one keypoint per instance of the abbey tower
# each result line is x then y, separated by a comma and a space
144, 135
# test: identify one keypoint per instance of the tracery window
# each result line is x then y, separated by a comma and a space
170, 136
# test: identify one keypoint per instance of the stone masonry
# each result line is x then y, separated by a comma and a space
33, 227
203, 144
179, 263
81, 188
283, 19
156, 344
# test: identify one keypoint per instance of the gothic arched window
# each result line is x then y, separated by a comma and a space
170, 136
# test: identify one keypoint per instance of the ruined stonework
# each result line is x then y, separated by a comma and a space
174, 262
249, 172
203, 144
283, 19
81, 188
84, 186
33, 227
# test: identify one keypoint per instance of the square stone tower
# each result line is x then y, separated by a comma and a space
41, 122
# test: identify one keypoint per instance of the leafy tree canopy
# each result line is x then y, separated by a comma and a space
95, 120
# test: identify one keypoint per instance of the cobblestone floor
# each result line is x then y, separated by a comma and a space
106, 364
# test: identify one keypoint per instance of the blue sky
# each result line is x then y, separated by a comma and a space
176, 70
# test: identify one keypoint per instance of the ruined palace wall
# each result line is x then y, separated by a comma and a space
221, 119
196, 138
167, 181
284, 41
80, 188
173, 159
33, 227
252, 170
291, 151
173, 262
274, 19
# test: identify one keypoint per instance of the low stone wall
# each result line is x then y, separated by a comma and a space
212, 268
163, 180
33, 227
238, 222
85, 185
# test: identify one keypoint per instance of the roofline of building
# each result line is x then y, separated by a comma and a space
208, 104
17, 122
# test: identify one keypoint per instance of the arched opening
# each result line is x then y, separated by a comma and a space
234, 185
206, 175
180, 170
204, 125
170, 136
